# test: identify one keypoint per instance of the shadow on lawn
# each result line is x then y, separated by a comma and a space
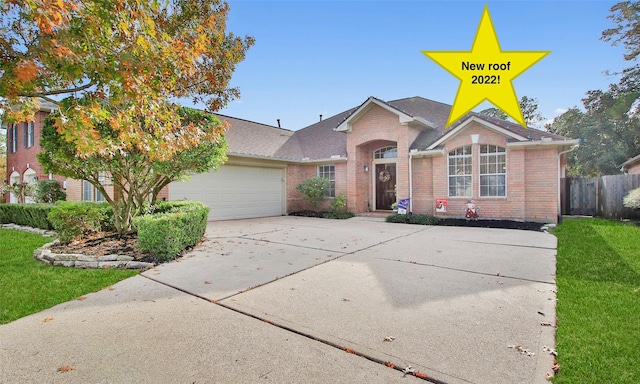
593, 258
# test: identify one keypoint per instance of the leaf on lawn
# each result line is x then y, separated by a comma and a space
65, 368
524, 351
389, 338
81, 298
48, 319
556, 366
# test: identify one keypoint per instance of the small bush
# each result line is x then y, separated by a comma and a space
49, 191
632, 199
77, 219
314, 190
412, 219
339, 215
30, 215
178, 225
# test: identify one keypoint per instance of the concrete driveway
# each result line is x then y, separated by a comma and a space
291, 299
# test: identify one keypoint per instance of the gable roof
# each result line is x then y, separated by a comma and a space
630, 163
326, 139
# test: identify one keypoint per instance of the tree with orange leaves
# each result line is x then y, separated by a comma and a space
120, 63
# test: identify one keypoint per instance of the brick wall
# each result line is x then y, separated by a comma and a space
531, 180
297, 173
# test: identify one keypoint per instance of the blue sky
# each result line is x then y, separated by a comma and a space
324, 57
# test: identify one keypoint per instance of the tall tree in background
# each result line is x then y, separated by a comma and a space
120, 63
610, 125
529, 108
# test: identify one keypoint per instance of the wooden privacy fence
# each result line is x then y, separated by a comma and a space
599, 196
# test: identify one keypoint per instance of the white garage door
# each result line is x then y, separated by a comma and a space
235, 192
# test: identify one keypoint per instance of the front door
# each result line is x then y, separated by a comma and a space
385, 186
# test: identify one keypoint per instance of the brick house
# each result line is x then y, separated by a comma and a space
382, 151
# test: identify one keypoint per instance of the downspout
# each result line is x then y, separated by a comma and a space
410, 183
559, 186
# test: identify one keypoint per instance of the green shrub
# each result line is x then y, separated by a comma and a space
314, 190
412, 219
339, 215
30, 215
72, 219
178, 225
49, 191
632, 199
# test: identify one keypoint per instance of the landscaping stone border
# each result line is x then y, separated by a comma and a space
76, 260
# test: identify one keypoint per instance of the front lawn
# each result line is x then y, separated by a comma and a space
598, 309
28, 286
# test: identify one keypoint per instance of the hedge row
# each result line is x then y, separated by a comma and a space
30, 215
413, 219
172, 227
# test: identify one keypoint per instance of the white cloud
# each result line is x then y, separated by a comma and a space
560, 111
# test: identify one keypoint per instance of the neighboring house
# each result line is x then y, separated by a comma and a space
380, 152
23, 144
632, 166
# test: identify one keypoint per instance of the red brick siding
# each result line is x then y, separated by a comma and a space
531, 181
297, 173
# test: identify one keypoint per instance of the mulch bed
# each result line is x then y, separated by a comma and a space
504, 224
102, 244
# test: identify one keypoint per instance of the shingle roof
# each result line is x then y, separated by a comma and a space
318, 141
255, 139
321, 141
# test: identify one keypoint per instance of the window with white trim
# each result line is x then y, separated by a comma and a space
13, 139
30, 134
386, 153
328, 171
460, 172
91, 193
493, 171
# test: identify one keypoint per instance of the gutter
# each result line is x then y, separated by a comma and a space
576, 145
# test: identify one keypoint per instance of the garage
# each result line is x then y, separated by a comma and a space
236, 191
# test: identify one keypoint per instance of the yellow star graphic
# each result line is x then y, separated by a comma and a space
486, 72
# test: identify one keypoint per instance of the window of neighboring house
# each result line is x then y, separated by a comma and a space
13, 145
460, 172
30, 135
91, 193
493, 171
329, 172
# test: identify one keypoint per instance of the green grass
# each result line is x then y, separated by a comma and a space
598, 309
28, 286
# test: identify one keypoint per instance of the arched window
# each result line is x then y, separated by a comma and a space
386, 153
460, 172
493, 171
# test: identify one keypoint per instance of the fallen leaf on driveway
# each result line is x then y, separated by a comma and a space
48, 319
389, 338
524, 351
111, 288
550, 350
65, 368
546, 324
207, 282
408, 369
81, 298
